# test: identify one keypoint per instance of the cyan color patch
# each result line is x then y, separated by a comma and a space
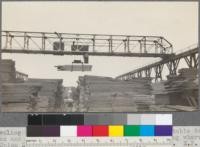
147, 130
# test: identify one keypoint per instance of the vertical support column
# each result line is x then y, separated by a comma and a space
161, 42
175, 66
195, 60
129, 77
26, 41
156, 47
158, 72
133, 76
110, 41
140, 42
10, 41
125, 45
171, 49
148, 73
77, 45
110, 44
93, 43
172, 66
145, 47
139, 74
109, 48
128, 43
192, 61
43, 41
187, 61
7, 42
60, 36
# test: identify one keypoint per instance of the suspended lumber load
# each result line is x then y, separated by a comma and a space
74, 68
77, 65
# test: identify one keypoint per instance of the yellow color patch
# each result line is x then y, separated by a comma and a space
116, 130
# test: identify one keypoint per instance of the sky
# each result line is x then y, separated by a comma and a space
176, 21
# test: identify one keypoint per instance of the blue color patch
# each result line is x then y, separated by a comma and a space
147, 130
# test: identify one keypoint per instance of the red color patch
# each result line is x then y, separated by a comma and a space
100, 130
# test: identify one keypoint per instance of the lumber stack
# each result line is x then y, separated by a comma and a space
105, 94
21, 77
8, 72
19, 92
188, 73
17, 97
39, 104
15, 107
51, 90
181, 89
160, 93
70, 99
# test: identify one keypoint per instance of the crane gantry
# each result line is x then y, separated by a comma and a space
55, 43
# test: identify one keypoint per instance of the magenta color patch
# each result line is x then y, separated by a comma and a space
84, 131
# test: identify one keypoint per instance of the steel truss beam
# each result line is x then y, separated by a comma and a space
172, 66
191, 57
192, 60
99, 44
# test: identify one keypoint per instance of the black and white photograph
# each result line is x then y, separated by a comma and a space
99, 56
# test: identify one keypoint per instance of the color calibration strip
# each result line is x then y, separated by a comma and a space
100, 119
99, 130
112, 125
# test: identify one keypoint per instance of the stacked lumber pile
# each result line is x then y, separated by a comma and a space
15, 107
160, 93
18, 92
70, 99
38, 104
105, 94
50, 92
179, 89
16, 97
21, 94
8, 72
183, 81
21, 77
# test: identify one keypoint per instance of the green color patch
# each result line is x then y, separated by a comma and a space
131, 130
